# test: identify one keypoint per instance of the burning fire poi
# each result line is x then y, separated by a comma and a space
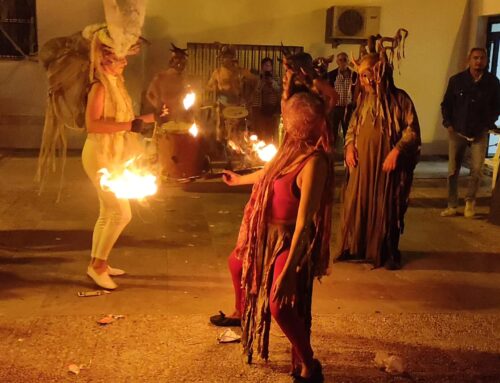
265, 152
193, 130
130, 183
189, 100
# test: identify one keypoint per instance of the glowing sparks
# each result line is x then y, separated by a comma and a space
129, 183
265, 152
189, 100
253, 137
234, 146
193, 130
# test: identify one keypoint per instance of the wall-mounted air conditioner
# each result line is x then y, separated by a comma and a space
351, 23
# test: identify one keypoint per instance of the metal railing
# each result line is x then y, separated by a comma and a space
203, 59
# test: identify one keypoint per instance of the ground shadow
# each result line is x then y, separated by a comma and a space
471, 262
441, 203
45, 260
355, 363
12, 282
68, 240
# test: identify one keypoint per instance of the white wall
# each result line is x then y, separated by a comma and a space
435, 47
439, 37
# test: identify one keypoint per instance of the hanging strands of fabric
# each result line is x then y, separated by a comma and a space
379, 56
71, 64
299, 141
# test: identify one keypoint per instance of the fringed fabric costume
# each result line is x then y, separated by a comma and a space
262, 240
68, 62
112, 149
376, 201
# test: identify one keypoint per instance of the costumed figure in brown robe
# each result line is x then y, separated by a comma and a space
382, 149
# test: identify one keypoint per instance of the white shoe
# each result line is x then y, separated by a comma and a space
115, 272
102, 280
470, 208
449, 212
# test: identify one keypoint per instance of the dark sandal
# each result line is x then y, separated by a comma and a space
316, 377
221, 320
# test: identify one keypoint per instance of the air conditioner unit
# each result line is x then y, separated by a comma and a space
351, 23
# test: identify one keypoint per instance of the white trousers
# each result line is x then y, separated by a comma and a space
114, 213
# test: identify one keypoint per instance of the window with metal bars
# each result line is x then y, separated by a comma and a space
203, 59
18, 38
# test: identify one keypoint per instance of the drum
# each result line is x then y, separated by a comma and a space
235, 122
181, 154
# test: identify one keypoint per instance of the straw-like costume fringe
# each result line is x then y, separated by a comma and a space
259, 242
391, 111
71, 64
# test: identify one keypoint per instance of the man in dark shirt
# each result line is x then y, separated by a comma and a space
470, 108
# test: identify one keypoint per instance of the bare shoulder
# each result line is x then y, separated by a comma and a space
96, 88
317, 162
316, 166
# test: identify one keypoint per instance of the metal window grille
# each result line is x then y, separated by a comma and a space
18, 37
203, 60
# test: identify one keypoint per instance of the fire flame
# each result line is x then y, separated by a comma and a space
265, 152
193, 130
189, 100
129, 183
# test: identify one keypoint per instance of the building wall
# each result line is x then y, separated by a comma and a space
437, 44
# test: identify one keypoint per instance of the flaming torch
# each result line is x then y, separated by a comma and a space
129, 183
193, 130
265, 152
189, 100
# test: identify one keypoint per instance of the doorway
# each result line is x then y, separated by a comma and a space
493, 45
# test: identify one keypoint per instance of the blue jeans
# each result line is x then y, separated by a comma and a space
456, 153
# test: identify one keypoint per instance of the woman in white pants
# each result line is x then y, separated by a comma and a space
111, 141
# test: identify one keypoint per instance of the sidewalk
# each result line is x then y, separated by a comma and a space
440, 313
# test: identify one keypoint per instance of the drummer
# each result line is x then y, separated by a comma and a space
168, 88
233, 85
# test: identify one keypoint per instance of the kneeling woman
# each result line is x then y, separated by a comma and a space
284, 238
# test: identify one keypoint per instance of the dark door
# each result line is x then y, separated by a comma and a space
493, 45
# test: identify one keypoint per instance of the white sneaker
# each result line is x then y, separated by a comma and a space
115, 272
449, 212
470, 208
102, 280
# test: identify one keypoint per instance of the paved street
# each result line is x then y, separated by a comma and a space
440, 313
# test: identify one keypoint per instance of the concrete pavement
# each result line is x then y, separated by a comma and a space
440, 313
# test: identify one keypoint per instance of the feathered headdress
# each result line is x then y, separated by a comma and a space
124, 23
67, 61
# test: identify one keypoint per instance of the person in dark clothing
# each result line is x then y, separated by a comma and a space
470, 107
343, 79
